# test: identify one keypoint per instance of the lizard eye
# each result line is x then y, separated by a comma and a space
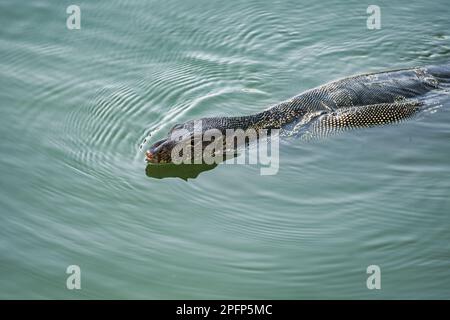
157, 143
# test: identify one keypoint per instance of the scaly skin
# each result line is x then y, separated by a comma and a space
359, 101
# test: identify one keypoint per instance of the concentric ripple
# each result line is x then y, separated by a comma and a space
77, 104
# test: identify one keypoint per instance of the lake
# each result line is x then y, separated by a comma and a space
75, 189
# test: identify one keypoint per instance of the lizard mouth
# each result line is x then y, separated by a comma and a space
149, 156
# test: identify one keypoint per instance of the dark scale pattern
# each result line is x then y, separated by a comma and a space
361, 117
354, 102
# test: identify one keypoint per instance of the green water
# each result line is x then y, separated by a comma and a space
76, 104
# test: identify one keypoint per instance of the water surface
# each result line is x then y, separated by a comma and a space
76, 104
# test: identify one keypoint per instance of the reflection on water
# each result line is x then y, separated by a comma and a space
182, 171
